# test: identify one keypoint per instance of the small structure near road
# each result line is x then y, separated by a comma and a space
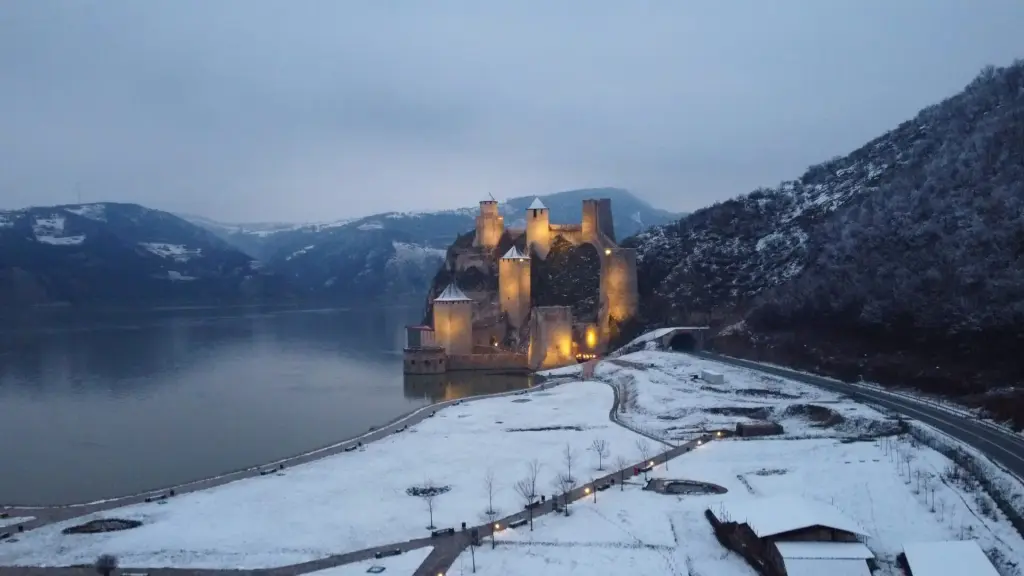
758, 428
792, 536
945, 558
683, 487
712, 377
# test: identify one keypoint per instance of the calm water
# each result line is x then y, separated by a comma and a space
117, 403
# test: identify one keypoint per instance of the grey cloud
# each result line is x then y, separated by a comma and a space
253, 109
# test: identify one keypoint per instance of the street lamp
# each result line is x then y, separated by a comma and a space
607, 251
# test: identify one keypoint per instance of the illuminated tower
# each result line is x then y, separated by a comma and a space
514, 286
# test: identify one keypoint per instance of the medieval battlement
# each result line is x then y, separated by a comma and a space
487, 333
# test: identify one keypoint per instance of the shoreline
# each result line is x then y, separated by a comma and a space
48, 513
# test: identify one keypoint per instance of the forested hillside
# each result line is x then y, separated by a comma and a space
902, 263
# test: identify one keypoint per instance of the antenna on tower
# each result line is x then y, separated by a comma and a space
492, 196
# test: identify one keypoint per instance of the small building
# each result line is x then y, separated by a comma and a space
792, 536
954, 558
712, 377
823, 558
758, 428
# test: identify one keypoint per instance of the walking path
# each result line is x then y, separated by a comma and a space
446, 548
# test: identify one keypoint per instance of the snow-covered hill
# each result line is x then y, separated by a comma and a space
901, 262
120, 254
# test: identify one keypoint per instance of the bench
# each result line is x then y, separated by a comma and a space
442, 532
517, 523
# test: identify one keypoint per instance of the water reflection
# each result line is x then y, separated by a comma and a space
455, 385
94, 405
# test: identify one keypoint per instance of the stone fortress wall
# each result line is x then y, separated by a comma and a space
472, 329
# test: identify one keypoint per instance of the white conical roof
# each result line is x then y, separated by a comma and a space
537, 205
514, 254
453, 294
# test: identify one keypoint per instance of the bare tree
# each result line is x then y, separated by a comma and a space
429, 494
600, 448
622, 464
565, 483
533, 471
491, 516
525, 490
489, 487
644, 447
106, 564
568, 456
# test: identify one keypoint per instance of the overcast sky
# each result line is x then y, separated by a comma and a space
302, 110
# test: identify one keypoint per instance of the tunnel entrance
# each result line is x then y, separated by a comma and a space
683, 342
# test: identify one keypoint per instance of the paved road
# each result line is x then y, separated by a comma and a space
1004, 448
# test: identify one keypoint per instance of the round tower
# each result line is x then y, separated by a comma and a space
538, 229
489, 225
453, 321
514, 286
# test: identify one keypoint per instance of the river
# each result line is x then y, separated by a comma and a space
113, 403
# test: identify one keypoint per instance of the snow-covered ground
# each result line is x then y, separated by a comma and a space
15, 520
355, 500
401, 565
51, 231
96, 211
638, 532
178, 252
661, 397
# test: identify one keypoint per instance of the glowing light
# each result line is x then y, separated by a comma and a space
607, 251
497, 526
591, 337
586, 490
652, 462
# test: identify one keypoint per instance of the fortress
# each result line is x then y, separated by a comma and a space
500, 327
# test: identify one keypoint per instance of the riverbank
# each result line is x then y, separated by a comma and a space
46, 514
340, 502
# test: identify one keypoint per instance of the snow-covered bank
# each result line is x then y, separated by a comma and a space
662, 396
354, 500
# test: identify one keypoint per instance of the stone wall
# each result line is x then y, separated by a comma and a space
551, 343
424, 361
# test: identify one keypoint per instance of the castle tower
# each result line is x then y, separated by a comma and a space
597, 221
538, 228
489, 225
550, 338
453, 321
619, 297
514, 286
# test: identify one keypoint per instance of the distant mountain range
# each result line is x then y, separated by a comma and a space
122, 254
125, 254
398, 253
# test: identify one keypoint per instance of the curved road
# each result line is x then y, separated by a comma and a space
1005, 448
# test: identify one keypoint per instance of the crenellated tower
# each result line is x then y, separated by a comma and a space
514, 286
489, 225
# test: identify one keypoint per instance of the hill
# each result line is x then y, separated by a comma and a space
122, 254
397, 254
901, 263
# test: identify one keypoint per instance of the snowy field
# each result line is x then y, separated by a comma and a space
637, 532
15, 520
402, 565
355, 500
662, 398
